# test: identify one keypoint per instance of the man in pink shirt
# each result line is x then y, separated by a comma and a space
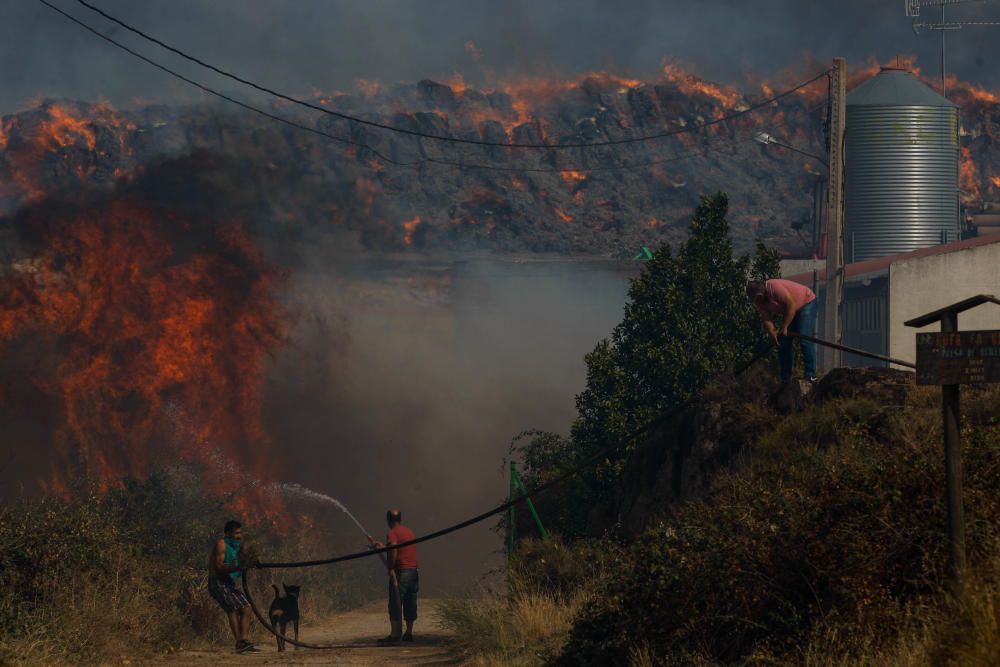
796, 305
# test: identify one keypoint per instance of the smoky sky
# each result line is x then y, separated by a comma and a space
329, 44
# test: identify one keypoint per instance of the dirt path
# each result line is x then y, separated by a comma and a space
362, 626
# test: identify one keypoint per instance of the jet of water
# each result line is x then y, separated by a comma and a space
303, 492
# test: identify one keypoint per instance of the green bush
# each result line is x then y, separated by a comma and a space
687, 320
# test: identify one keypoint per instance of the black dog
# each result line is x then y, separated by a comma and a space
284, 610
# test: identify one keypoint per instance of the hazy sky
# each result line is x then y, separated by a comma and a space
327, 44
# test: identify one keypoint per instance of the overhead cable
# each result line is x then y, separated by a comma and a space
457, 164
437, 137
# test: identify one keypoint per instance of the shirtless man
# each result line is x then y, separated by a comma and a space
795, 304
224, 570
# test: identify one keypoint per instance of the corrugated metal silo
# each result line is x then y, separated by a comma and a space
902, 158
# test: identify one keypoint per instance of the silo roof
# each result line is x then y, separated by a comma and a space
895, 88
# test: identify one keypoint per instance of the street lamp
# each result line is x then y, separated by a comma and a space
769, 140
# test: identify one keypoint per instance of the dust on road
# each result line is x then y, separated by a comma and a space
362, 626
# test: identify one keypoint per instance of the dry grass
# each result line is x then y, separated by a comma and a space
80, 618
103, 578
520, 628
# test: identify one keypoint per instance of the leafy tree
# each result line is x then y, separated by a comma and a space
687, 319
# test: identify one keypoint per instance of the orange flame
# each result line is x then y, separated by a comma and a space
64, 129
565, 217
159, 353
968, 180
457, 83
693, 86
572, 177
409, 227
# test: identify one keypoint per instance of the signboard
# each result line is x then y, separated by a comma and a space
961, 357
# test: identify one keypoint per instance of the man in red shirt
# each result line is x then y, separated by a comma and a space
404, 580
796, 305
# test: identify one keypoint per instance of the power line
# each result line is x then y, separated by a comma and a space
436, 137
228, 98
361, 145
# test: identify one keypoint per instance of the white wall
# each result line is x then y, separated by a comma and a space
920, 285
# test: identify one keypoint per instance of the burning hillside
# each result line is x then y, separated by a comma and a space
538, 201
565, 201
138, 311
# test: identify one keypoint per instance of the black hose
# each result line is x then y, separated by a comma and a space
589, 462
854, 350
761, 352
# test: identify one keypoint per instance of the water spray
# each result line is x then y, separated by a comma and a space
303, 492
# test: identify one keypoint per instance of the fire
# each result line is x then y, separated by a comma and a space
154, 327
565, 217
64, 129
573, 177
995, 180
60, 138
651, 223
692, 86
409, 227
968, 180
457, 83
980, 95
579, 198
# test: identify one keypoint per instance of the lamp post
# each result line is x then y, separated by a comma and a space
835, 204
770, 140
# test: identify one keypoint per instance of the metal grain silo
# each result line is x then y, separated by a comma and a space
902, 158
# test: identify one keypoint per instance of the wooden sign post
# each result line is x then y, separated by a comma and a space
952, 358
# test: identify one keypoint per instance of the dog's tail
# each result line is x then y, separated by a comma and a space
277, 593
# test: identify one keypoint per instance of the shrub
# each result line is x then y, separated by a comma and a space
687, 320
836, 529
124, 572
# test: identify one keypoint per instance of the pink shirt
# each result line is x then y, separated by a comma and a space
801, 295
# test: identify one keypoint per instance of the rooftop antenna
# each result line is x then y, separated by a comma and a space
913, 9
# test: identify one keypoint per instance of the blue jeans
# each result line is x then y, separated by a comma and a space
804, 322
403, 601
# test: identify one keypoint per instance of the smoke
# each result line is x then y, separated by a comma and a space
329, 44
405, 381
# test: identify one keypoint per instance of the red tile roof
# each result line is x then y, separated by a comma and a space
881, 264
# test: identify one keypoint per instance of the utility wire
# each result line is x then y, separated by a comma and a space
436, 137
412, 164
228, 98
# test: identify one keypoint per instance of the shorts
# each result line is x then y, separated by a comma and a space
224, 591
404, 604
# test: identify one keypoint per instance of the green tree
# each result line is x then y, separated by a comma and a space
687, 319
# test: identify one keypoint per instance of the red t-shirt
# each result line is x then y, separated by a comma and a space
406, 557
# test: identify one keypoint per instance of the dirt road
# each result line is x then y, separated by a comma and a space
362, 626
